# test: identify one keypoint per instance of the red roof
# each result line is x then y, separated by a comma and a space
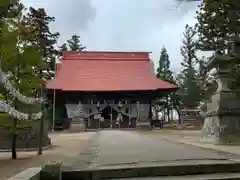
107, 71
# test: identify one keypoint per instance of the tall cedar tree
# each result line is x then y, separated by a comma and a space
218, 22
74, 44
45, 39
190, 88
163, 70
17, 56
63, 48
9, 10
21, 58
164, 73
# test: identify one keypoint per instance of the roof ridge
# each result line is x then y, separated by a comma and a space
104, 55
103, 59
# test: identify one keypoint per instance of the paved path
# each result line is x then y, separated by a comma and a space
126, 147
191, 138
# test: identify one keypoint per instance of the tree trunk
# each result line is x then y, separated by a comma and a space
14, 128
14, 139
41, 130
179, 116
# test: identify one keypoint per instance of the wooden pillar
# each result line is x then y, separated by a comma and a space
129, 114
150, 114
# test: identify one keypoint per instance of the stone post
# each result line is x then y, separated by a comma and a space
51, 171
222, 121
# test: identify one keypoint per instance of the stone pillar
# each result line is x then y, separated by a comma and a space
222, 121
52, 171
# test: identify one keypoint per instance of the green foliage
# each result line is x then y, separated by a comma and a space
19, 57
218, 22
6, 122
163, 70
9, 9
74, 44
63, 48
27, 56
188, 78
20, 53
188, 49
45, 41
164, 73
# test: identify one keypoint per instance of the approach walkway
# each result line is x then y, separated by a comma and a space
116, 148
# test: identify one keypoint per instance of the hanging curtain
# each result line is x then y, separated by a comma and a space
86, 110
83, 110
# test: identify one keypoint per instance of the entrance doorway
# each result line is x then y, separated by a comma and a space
106, 114
110, 116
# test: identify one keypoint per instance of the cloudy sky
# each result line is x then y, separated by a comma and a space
123, 25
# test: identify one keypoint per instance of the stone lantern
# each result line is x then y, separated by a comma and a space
222, 121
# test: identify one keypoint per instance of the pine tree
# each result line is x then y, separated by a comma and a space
63, 48
190, 89
163, 70
8, 49
74, 44
21, 59
39, 22
164, 73
17, 58
218, 22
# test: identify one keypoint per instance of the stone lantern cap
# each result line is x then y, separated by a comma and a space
223, 61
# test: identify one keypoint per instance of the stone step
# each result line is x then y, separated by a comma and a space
163, 169
218, 176
76, 128
190, 121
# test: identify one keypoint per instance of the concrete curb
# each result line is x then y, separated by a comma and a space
28, 174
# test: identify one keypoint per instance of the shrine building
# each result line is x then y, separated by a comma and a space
106, 89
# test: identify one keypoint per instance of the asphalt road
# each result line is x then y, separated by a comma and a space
109, 148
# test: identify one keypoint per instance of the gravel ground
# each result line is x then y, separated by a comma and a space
67, 148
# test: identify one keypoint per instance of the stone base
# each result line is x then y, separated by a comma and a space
144, 125
221, 130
